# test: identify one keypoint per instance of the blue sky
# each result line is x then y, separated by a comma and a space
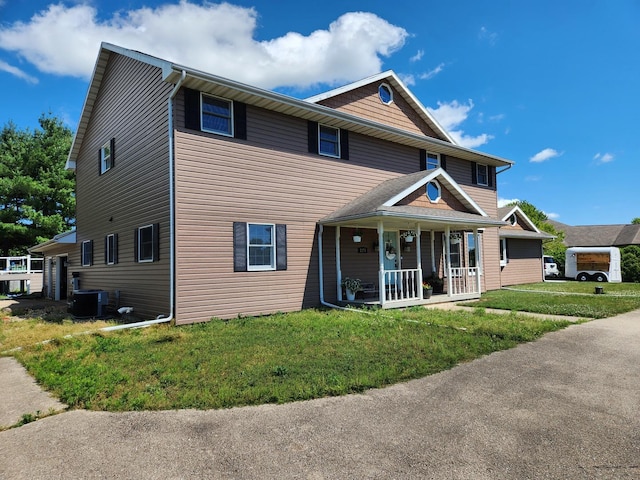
551, 85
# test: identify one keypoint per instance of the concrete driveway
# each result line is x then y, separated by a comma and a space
566, 406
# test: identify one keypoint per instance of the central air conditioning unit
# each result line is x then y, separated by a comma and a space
89, 303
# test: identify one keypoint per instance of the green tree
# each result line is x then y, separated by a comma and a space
636, 221
37, 194
556, 247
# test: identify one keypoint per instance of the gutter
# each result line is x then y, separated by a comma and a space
172, 250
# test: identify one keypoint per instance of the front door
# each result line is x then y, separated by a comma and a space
391, 256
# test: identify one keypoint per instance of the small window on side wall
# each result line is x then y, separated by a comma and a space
482, 174
111, 249
503, 252
86, 253
106, 156
146, 243
217, 115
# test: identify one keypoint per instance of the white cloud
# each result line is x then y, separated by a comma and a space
532, 178
451, 115
419, 54
551, 215
217, 38
603, 158
432, 73
408, 79
544, 155
487, 35
5, 67
503, 202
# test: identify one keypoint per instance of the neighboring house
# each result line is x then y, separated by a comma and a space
619, 235
199, 197
520, 248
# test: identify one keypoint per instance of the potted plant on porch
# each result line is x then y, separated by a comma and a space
351, 286
436, 282
427, 290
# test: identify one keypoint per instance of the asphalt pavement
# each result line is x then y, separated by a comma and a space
564, 407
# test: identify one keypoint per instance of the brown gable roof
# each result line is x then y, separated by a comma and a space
531, 232
615, 235
382, 201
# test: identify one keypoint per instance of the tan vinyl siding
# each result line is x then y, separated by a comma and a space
525, 263
132, 108
270, 178
364, 102
447, 200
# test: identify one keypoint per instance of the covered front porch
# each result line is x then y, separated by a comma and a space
421, 227
391, 262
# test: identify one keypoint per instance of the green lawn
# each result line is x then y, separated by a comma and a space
565, 298
272, 359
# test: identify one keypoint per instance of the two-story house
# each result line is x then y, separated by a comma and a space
202, 197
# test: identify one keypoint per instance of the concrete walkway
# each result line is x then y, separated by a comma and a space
566, 406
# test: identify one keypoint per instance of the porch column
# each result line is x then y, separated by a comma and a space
338, 267
419, 255
381, 282
28, 263
447, 254
478, 259
432, 239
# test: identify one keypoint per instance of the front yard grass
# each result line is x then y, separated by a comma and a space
272, 359
565, 298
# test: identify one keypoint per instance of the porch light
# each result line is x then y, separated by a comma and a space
357, 236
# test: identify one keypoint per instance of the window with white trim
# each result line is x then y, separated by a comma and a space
329, 141
106, 156
217, 115
385, 94
474, 252
111, 249
87, 253
482, 174
261, 246
146, 243
434, 193
433, 161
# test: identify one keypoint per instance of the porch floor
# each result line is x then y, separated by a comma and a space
435, 298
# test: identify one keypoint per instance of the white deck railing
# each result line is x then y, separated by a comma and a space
20, 265
400, 285
464, 280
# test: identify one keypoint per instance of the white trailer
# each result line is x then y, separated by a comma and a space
597, 264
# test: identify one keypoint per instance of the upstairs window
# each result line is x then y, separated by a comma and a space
106, 156
217, 115
482, 174
329, 141
433, 161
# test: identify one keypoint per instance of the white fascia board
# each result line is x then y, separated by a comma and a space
517, 210
438, 173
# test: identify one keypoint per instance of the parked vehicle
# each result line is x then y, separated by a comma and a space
598, 264
550, 267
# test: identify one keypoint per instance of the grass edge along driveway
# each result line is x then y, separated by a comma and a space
272, 359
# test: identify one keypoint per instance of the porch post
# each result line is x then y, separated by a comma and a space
432, 235
338, 267
381, 283
419, 256
447, 254
478, 259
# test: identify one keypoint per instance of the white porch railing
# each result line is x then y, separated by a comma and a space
400, 285
464, 280
20, 265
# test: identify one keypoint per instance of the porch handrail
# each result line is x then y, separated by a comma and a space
464, 280
405, 284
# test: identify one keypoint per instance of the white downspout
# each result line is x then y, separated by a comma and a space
172, 206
